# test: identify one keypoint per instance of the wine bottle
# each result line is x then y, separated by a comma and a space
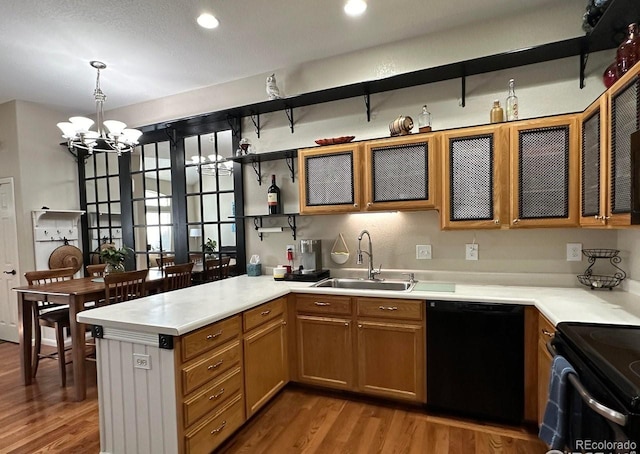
273, 197
512, 102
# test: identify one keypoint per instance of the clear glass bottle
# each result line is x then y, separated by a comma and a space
497, 114
424, 120
512, 102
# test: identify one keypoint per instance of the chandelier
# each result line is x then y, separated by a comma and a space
214, 164
111, 136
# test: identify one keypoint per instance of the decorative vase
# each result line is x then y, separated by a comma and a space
610, 75
627, 54
114, 268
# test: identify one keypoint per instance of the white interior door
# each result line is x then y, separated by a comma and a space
9, 273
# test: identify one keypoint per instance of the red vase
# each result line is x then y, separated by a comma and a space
610, 74
627, 54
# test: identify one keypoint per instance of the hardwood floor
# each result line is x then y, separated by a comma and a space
43, 418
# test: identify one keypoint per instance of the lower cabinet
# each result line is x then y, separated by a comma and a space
545, 333
210, 385
369, 345
265, 353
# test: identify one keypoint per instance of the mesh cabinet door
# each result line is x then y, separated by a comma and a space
543, 173
591, 165
329, 179
399, 173
624, 121
471, 166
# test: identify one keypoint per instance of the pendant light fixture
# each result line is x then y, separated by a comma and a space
111, 136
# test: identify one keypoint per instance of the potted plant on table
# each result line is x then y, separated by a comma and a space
210, 247
114, 259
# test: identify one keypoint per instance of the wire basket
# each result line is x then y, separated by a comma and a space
600, 253
599, 281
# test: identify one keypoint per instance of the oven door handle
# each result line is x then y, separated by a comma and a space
604, 411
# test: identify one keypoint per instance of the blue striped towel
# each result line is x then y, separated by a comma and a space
554, 430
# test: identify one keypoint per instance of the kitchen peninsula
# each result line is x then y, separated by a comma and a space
195, 364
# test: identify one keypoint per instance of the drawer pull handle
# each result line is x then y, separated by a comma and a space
547, 333
267, 312
213, 336
218, 394
217, 431
215, 366
388, 308
320, 303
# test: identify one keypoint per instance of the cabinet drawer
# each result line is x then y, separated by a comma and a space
213, 397
209, 337
263, 313
390, 308
208, 436
546, 329
322, 304
210, 366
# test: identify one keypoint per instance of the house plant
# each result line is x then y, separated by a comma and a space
114, 258
210, 247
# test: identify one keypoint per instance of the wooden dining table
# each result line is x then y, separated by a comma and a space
76, 293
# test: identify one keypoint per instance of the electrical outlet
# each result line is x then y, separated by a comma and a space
574, 252
423, 251
141, 361
471, 251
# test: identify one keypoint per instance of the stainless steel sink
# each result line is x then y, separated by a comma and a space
367, 284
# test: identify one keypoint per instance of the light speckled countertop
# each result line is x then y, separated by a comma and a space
179, 312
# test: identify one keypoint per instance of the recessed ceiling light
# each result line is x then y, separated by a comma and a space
355, 7
206, 20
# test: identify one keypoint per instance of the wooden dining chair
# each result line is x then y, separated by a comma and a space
216, 269
177, 276
51, 315
119, 287
164, 261
96, 270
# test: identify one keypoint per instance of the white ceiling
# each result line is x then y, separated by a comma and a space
153, 48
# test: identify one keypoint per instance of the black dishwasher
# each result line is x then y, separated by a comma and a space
475, 360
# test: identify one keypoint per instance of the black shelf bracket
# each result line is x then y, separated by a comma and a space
367, 103
255, 118
289, 111
584, 58
291, 219
234, 131
463, 96
289, 161
257, 168
257, 223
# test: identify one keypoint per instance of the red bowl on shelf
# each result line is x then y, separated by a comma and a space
335, 140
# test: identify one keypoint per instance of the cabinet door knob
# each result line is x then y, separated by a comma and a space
218, 394
215, 366
320, 303
369, 204
515, 221
496, 221
216, 431
547, 333
267, 312
388, 308
346, 324
355, 205
359, 325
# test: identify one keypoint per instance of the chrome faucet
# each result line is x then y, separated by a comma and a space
371, 272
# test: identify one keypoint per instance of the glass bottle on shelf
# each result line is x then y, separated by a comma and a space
424, 120
512, 102
273, 197
497, 114
627, 53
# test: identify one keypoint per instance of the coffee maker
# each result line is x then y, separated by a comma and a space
310, 263
310, 256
